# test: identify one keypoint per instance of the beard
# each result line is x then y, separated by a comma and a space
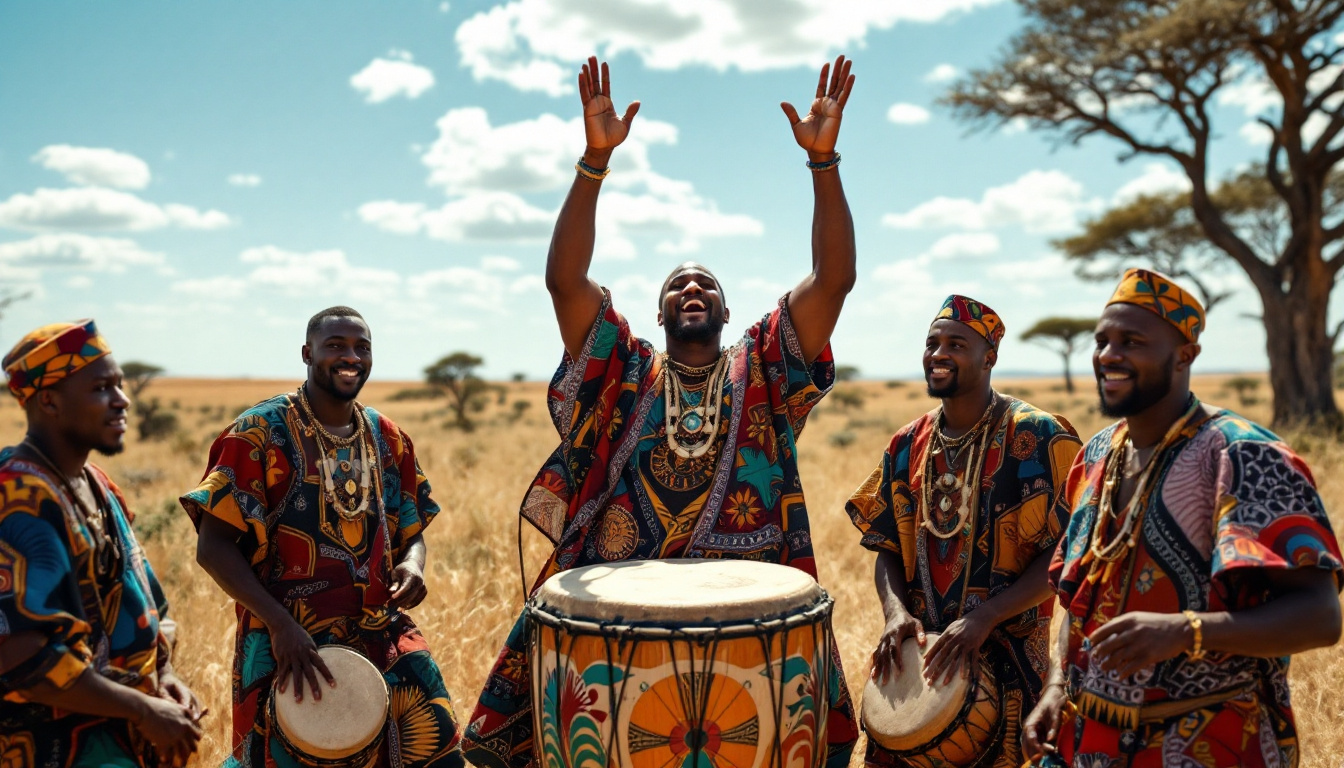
323, 379
701, 332
1143, 396
110, 449
947, 390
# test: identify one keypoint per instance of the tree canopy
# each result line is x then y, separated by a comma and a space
456, 374
1061, 334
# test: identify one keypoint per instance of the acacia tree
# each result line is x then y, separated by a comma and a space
1145, 73
456, 375
1061, 335
151, 420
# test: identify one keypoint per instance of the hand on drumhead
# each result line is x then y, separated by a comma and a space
1133, 641
887, 656
1041, 728
296, 658
408, 585
957, 649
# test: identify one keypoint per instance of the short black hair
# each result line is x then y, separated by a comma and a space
315, 321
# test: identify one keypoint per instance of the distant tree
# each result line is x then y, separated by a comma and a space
456, 375
1245, 387
846, 372
9, 297
518, 377
137, 376
1061, 334
152, 420
1149, 74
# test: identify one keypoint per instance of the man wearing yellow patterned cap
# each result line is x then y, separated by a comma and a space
964, 511
1197, 559
84, 637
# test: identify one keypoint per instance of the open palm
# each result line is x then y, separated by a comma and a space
602, 127
818, 130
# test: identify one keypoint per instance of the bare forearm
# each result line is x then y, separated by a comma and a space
833, 250
415, 552
1306, 617
889, 579
575, 296
1031, 589
226, 565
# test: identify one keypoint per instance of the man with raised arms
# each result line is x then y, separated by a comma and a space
1197, 560
685, 453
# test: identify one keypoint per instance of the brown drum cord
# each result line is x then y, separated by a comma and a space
706, 639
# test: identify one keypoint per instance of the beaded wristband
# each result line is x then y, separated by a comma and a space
1196, 651
825, 165
589, 172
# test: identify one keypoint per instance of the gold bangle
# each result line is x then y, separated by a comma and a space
1196, 652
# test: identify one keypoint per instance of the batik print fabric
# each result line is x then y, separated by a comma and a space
1020, 516
333, 575
1232, 502
611, 493
50, 584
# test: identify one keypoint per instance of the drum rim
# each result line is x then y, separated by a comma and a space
820, 610
360, 755
968, 702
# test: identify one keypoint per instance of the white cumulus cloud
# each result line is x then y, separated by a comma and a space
1039, 202
384, 79
99, 208
69, 250
1156, 178
245, 180
94, 166
907, 114
963, 244
943, 73
486, 170
535, 45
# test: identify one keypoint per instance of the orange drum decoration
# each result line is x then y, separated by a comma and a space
939, 726
681, 664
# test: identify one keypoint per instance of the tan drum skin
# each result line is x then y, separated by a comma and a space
646, 664
933, 724
345, 726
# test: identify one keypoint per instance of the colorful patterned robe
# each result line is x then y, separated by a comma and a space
334, 576
1231, 502
49, 584
1021, 513
596, 501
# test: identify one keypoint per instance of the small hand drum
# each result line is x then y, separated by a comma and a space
956, 724
345, 727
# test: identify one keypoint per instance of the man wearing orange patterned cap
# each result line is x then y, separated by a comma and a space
964, 511
84, 639
1195, 539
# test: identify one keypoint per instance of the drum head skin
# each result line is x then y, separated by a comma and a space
347, 718
907, 712
683, 591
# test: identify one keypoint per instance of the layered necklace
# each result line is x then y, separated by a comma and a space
691, 429
949, 483
97, 520
329, 462
1128, 521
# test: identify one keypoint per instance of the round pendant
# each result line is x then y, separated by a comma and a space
345, 466
692, 422
350, 487
948, 480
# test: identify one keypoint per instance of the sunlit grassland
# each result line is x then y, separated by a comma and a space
480, 476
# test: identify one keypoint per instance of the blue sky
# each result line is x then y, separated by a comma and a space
202, 177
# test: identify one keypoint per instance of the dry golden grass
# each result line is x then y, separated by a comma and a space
480, 477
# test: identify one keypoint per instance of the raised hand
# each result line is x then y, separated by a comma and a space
601, 126
818, 131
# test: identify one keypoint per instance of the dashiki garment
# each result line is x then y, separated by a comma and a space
95, 598
1228, 501
615, 491
1019, 512
333, 574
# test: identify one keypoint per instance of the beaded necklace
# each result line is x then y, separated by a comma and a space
1126, 538
328, 464
948, 482
106, 554
700, 422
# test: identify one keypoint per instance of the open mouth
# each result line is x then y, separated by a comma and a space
693, 305
1112, 379
118, 423
940, 371
348, 374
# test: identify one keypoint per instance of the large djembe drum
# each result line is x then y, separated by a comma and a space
704, 663
939, 726
345, 727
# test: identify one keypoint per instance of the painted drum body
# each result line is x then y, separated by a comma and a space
936, 725
343, 728
705, 663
